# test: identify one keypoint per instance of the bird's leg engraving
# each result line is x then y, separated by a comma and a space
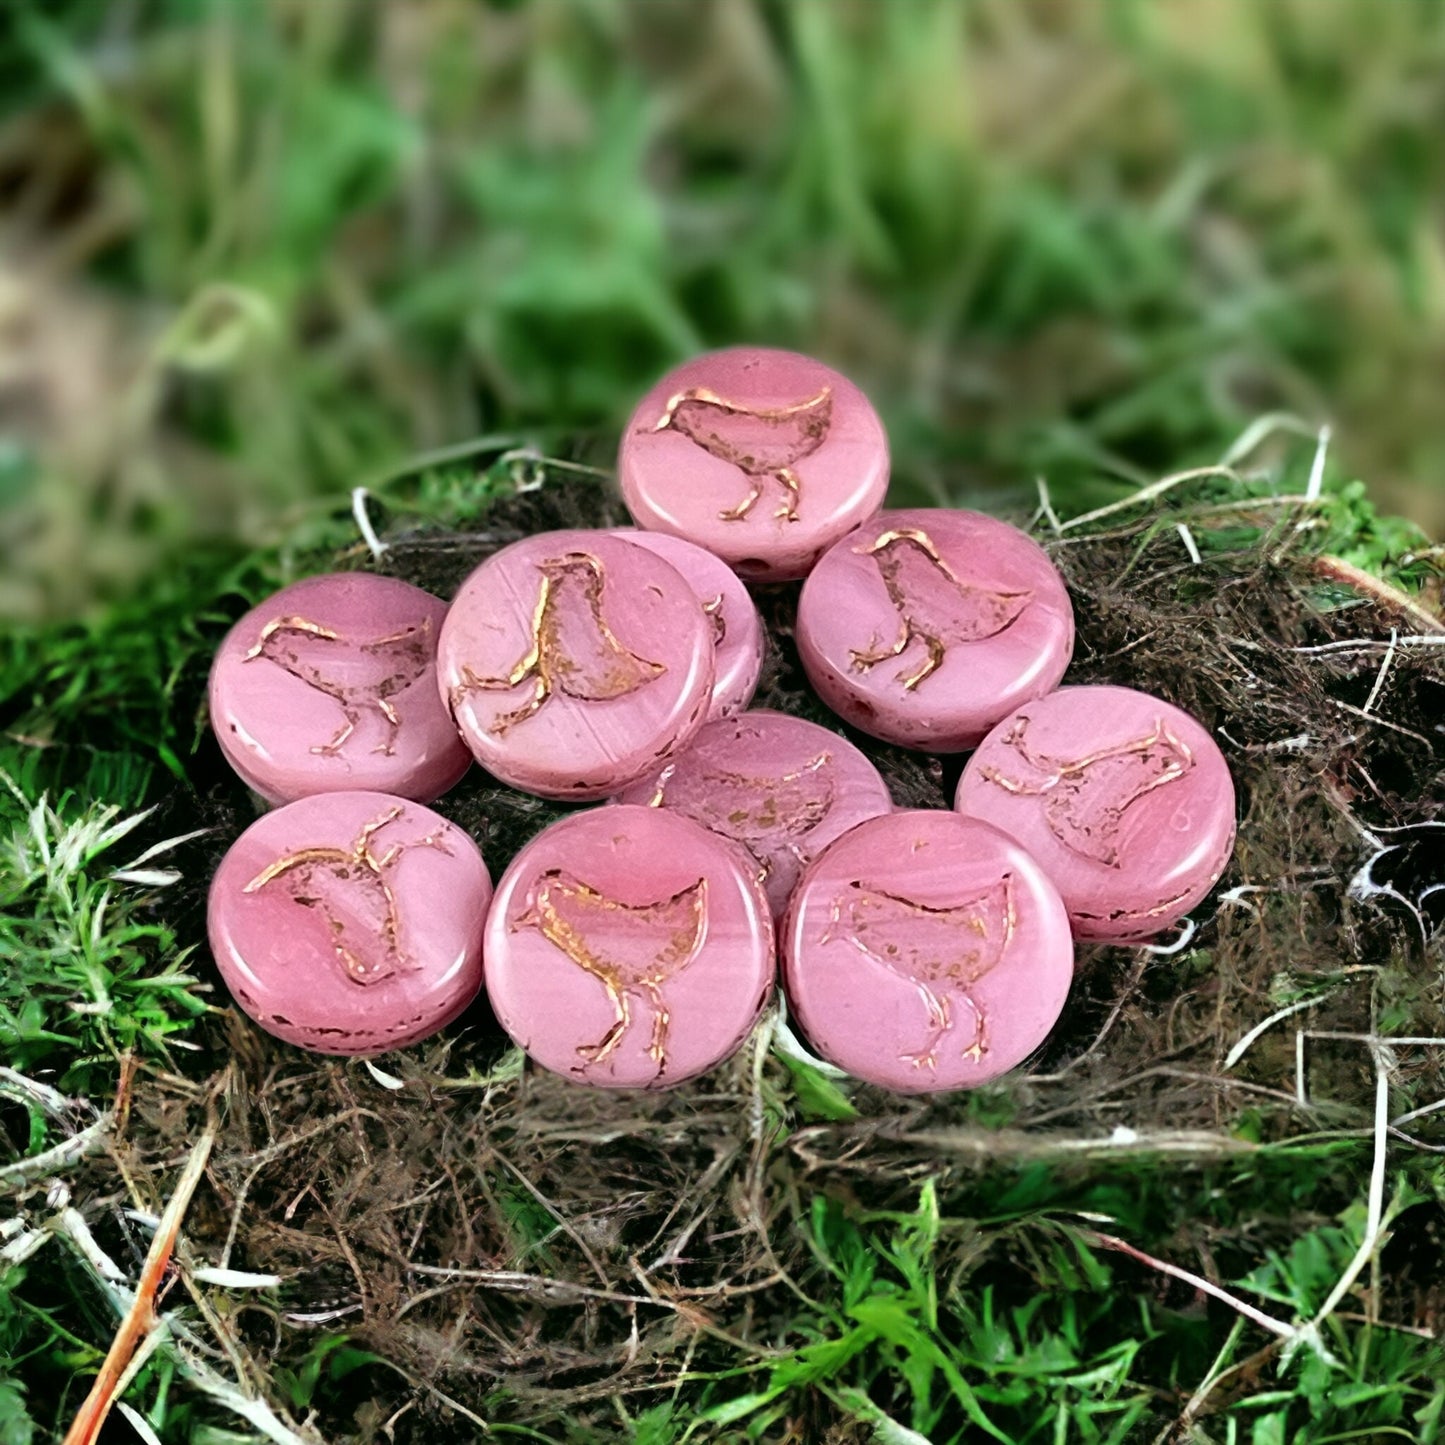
863, 660
788, 511
393, 723
596, 1053
661, 1022
939, 1023
979, 1047
928, 666
326, 878
330, 750
761, 442
737, 513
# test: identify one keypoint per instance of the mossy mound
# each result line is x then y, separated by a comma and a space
535, 1253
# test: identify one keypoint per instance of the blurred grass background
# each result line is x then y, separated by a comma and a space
254, 251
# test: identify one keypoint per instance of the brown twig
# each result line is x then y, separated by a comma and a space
1257, 1316
1336, 569
141, 1318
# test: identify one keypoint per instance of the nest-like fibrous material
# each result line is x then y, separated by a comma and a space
488, 1224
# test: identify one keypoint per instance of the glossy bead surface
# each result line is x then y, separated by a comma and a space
330, 685
926, 951
737, 628
350, 923
574, 663
1123, 798
764, 458
924, 627
629, 948
782, 787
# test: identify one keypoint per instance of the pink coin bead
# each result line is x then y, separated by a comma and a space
925, 627
765, 458
573, 662
926, 951
330, 686
737, 628
782, 787
1124, 799
351, 923
629, 948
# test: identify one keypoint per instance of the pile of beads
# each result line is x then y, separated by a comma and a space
633, 944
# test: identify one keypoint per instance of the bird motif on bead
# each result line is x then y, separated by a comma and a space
942, 951
761, 442
351, 891
771, 815
632, 950
573, 650
346, 669
1089, 796
935, 606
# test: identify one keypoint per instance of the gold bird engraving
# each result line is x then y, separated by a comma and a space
770, 814
631, 950
573, 650
346, 669
935, 606
761, 442
1089, 796
941, 951
350, 889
